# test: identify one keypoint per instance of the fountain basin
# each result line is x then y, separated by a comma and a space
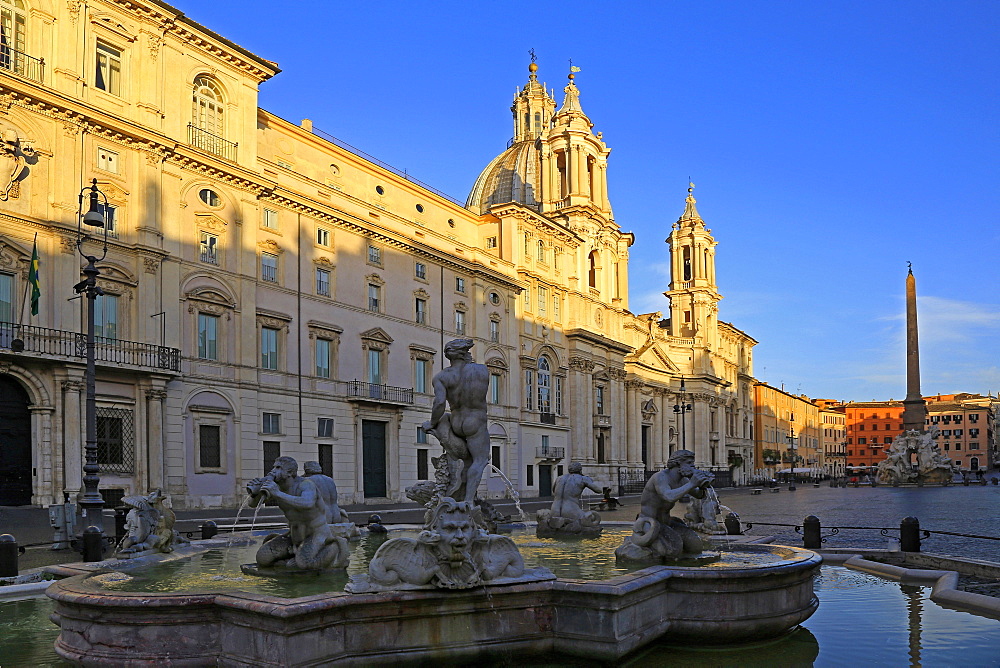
601, 620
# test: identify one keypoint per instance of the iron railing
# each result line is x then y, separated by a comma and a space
632, 481
547, 418
550, 452
62, 343
21, 64
379, 392
212, 143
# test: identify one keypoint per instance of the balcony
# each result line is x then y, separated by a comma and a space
602, 421
547, 418
377, 393
21, 64
211, 143
550, 453
60, 343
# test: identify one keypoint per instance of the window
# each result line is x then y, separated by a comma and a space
380, 190
527, 246
107, 160
208, 336
109, 211
13, 21
526, 294
421, 435
272, 450
541, 251
545, 444
420, 270
115, 440
323, 282
268, 348
374, 298
491, 242
459, 284
592, 271
544, 385
209, 197
271, 423
374, 366
106, 317
207, 107
420, 208
529, 476
973, 446
494, 331
599, 399
556, 298
209, 446
420, 311
322, 236
323, 358
862, 441
422, 468
269, 267
420, 368
375, 255
957, 432
946, 432
6, 298
973, 433
495, 299
270, 219
109, 69
209, 248
494, 388
460, 322
543, 298
324, 427
887, 439
556, 252
559, 394
495, 456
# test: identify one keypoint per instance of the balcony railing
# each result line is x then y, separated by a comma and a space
602, 420
550, 452
58, 342
21, 64
212, 143
377, 392
548, 418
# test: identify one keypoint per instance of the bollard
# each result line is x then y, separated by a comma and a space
733, 524
8, 556
93, 544
811, 539
209, 529
120, 514
791, 487
909, 534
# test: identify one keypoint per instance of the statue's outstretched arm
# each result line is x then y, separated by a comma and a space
440, 401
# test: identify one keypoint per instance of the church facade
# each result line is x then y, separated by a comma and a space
269, 290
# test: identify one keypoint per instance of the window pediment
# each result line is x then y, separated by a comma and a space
324, 330
13, 256
421, 294
210, 222
374, 279
269, 246
376, 335
110, 23
418, 352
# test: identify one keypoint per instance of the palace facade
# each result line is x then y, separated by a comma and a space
269, 290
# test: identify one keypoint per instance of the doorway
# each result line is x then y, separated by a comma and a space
15, 444
373, 459
544, 480
645, 447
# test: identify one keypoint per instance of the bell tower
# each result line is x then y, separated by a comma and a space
574, 159
693, 293
533, 107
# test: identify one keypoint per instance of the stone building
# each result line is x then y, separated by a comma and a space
834, 437
871, 428
788, 432
270, 290
966, 428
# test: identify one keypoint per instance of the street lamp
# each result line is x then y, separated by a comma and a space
88, 288
681, 409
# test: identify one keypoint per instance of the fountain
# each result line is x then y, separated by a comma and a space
567, 517
454, 592
932, 466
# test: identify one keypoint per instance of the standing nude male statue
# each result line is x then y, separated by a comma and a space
463, 432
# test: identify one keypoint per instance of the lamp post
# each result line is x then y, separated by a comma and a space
681, 409
91, 503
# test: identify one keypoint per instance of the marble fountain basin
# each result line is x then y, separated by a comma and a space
757, 592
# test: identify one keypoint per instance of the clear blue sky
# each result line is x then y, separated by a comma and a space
830, 143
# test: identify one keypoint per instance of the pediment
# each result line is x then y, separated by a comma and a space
211, 296
651, 355
210, 222
376, 334
117, 273
109, 22
12, 254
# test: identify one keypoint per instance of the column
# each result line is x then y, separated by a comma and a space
659, 458
578, 170
72, 437
579, 449
633, 421
154, 439
543, 181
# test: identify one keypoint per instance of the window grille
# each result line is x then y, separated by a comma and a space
115, 440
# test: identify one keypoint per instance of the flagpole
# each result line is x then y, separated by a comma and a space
27, 283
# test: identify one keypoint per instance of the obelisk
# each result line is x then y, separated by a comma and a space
914, 406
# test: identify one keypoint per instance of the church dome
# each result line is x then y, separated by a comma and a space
513, 176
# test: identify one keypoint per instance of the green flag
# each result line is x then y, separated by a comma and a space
36, 291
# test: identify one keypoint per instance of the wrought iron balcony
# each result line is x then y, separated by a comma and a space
212, 143
602, 420
357, 389
555, 453
21, 64
61, 343
548, 418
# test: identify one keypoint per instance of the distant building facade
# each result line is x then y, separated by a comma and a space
965, 426
833, 436
787, 431
871, 428
270, 291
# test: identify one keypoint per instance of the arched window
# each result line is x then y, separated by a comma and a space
592, 276
541, 251
544, 385
208, 105
12, 29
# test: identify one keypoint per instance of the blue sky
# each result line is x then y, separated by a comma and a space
830, 143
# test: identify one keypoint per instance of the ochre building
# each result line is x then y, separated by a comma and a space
270, 291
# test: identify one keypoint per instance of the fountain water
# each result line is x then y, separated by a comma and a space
511, 491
